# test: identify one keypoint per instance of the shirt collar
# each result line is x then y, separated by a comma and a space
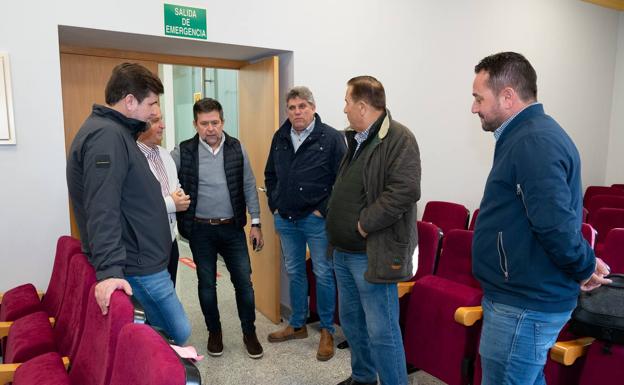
207, 146
306, 131
499, 131
147, 150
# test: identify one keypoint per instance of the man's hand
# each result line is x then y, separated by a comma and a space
256, 233
104, 289
317, 213
598, 277
363, 233
181, 200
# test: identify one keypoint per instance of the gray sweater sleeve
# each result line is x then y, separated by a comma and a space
175, 154
251, 194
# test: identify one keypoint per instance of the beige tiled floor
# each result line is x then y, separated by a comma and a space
288, 363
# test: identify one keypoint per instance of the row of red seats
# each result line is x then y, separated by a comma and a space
103, 350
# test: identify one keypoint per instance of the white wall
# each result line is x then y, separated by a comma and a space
423, 51
615, 164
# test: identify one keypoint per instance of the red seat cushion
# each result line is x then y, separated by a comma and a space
433, 340
154, 364
29, 337
46, 369
602, 366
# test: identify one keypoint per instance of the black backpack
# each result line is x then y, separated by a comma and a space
600, 312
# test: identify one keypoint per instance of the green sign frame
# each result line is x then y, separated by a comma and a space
185, 21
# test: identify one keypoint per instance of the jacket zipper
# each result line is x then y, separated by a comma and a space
502, 256
520, 193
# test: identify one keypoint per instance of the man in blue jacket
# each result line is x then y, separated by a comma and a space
300, 172
528, 251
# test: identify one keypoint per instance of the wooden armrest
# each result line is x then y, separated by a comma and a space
405, 288
5, 326
40, 294
468, 315
7, 371
566, 352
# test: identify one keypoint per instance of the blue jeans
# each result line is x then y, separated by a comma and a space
229, 241
161, 304
294, 235
515, 343
369, 316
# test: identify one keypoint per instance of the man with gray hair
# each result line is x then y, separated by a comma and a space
299, 175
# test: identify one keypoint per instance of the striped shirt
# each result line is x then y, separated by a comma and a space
156, 165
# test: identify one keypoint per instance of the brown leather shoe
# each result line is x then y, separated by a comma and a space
288, 333
215, 344
326, 346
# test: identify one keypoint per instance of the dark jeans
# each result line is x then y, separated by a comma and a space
173, 261
228, 241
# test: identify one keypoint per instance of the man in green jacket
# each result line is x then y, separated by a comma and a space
371, 224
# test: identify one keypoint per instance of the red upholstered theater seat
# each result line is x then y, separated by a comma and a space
433, 341
613, 252
23, 299
429, 244
591, 191
603, 365
603, 220
93, 361
618, 185
600, 201
446, 215
143, 357
26, 334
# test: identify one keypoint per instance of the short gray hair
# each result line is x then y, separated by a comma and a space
301, 92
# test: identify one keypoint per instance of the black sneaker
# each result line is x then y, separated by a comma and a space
215, 344
254, 349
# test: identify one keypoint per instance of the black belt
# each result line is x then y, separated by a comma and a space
214, 221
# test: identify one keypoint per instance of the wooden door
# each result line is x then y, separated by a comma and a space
259, 119
83, 80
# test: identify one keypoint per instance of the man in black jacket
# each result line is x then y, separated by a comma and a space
118, 205
300, 172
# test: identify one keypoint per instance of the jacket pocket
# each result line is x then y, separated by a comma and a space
520, 194
392, 262
502, 256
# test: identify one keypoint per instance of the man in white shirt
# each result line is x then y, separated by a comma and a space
164, 169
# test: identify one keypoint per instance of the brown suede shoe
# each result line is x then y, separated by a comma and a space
288, 333
215, 344
254, 349
326, 346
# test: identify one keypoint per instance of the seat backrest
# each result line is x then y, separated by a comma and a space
600, 201
618, 185
95, 354
429, 237
591, 191
613, 253
589, 233
446, 215
66, 247
473, 220
605, 219
455, 262
143, 357
69, 324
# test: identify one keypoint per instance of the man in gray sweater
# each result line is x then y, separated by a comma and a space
214, 170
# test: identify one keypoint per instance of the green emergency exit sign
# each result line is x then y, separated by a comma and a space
185, 21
